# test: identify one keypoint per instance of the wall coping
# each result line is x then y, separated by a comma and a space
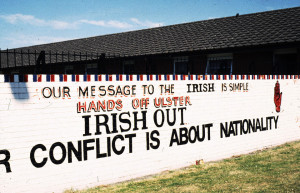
122, 77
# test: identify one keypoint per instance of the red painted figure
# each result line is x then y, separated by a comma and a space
277, 96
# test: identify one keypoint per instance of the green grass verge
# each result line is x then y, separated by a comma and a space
272, 170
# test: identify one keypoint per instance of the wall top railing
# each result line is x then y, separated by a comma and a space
20, 58
122, 77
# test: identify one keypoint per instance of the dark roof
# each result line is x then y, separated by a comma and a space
264, 28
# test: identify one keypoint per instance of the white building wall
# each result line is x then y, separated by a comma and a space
28, 118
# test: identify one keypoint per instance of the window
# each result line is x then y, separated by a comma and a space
69, 69
128, 67
181, 65
219, 64
91, 69
285, 61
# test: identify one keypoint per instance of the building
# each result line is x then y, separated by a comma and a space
259, 43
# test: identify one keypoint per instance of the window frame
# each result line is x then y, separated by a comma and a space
130, 64
69, 68
216, 57
181, 59
91, 67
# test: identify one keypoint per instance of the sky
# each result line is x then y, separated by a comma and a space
33, 22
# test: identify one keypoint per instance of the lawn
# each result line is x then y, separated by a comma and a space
271, 170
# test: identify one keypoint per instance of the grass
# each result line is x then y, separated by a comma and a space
271, 170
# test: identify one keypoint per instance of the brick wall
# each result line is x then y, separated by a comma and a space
74, 131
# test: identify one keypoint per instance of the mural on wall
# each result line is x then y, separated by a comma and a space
277, 96
73, 133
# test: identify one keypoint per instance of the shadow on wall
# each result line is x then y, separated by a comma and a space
18, 87
19, 90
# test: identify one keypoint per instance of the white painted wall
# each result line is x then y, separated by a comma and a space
28, 119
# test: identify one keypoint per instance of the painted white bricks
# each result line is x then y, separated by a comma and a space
33, 113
